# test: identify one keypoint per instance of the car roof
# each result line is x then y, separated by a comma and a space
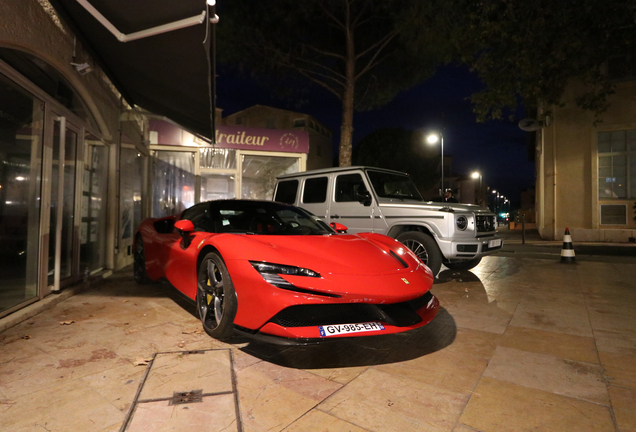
337, 169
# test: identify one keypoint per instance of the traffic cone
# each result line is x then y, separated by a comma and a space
567, 253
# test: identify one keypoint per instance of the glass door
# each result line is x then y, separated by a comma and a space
93, 206
61, 254
21, 117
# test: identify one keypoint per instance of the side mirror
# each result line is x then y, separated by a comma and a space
340, 228
364, 198
185, 226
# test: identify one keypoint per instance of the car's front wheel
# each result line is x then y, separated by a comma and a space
216, 299
463, 265
424, 247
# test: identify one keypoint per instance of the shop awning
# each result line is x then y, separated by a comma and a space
167, 73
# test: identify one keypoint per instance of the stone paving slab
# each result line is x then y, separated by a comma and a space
185, 391
520, 344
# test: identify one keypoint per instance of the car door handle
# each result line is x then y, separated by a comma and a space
335, 217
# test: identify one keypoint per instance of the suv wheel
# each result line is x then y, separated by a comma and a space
424, 247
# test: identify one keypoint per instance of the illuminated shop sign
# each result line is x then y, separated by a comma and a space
234, 137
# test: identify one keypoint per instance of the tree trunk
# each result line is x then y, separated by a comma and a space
346, 128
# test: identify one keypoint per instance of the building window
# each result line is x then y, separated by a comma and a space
299, 122
239, 121
617, 164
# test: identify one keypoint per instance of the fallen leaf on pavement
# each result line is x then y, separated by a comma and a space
69, 322
193, 331
140, 361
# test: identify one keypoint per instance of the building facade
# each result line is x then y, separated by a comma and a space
62, 147
586, 169
320, 154
79, 169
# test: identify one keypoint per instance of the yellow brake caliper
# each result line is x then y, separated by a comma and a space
208, 296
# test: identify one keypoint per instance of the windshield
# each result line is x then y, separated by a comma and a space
390, 185
264, 218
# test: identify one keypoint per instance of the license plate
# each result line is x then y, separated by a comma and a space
338, 329
494, 243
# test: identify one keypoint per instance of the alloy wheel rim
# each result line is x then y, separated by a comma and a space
418, 249
211, 295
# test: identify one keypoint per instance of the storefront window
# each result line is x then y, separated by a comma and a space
94, 198
217, 186
217, 158
173, 182
21, 118
260, 172
130, 190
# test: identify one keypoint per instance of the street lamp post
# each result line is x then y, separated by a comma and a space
432, 139
475, 175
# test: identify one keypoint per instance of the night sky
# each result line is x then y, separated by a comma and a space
496, 148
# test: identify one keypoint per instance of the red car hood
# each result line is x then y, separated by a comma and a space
326, 254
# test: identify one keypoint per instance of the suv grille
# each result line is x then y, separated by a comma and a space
485, 223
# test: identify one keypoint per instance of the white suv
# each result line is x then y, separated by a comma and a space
366, 199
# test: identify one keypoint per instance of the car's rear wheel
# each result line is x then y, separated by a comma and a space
424, 247
463, 265
216, 299
139, 264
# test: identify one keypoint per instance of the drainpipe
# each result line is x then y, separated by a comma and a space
554, 181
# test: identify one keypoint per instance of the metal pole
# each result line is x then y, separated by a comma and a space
443, 190
523, 228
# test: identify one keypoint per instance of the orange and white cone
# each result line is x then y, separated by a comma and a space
567, 253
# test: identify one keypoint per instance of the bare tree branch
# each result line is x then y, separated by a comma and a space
372, 63
329, 14
323, 52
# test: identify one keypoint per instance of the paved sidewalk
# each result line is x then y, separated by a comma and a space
520, 344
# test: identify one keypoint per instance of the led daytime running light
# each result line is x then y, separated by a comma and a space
278, 269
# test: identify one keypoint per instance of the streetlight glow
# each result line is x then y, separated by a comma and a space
475, 175
432, 138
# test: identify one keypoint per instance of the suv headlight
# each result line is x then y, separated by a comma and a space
461, 222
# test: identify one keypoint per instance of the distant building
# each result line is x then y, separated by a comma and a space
320, 136
586, 170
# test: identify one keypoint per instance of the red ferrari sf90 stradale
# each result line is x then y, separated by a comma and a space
278, 272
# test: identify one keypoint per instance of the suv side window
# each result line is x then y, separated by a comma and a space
349, 187
315, 190
286, 191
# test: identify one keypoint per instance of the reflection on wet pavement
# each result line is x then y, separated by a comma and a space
519, 344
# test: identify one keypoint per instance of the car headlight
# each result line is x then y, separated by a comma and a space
271, 272
461, 222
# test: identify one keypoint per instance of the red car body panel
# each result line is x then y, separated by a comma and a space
365, 268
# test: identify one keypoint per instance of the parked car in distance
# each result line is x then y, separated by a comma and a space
367, 199
277, 272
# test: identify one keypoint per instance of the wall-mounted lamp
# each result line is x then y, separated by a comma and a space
82, 68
